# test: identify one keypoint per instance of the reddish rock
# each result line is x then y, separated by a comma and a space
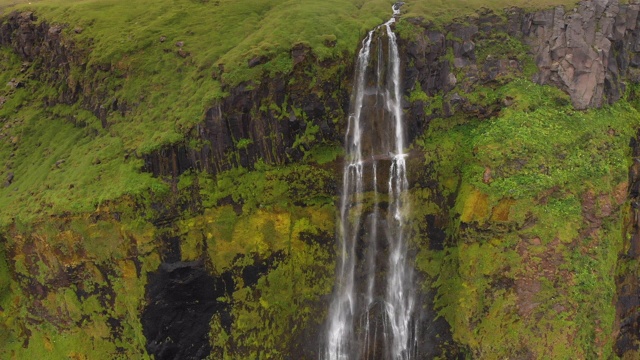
486, 177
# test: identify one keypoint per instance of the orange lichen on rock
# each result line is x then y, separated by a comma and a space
501, 211
476, 207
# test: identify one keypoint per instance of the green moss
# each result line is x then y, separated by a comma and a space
417, 94
323, 154
522, 260
73, 315
58, 166
243, 144
443, 11
267, 317
498, 45
270, 186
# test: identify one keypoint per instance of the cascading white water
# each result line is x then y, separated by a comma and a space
371, 315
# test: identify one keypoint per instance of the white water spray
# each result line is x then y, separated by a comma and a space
372, 312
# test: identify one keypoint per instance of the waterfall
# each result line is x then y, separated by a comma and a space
371, 315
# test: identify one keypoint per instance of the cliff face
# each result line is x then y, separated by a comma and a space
224, 254
628, 301
55, 56
590, 52
517, 200
494, 201
275, 121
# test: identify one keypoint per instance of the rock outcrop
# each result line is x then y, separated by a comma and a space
274, 121
182, 299
589, 51
54, 55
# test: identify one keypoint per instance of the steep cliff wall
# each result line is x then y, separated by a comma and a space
518, 197
275, 121
500, 180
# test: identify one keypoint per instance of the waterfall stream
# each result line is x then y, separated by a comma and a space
371, 315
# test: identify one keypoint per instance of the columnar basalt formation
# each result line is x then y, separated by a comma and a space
589, 51
260, 121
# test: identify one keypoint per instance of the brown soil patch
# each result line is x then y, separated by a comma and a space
538, 265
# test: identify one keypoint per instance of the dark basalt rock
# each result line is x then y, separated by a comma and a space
258, 60
247, 113
182, 299
628, 287
299, 53
9, 179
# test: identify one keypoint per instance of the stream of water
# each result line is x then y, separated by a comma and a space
371, 315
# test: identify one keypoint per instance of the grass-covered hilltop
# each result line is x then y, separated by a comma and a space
169, 172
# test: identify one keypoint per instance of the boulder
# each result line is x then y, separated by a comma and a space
9, 179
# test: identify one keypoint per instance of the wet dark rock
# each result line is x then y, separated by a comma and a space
182, 298
493, 68
435, 232
463, 32
253, 272
330, 43
242, 115
628, 288
299, 53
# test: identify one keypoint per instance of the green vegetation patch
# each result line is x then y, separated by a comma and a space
282, 218
535, 224
444, 11
77, 288
169, 61
57, 159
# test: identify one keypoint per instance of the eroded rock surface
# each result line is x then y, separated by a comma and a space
587, 51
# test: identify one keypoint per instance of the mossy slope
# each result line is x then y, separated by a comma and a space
534, 225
